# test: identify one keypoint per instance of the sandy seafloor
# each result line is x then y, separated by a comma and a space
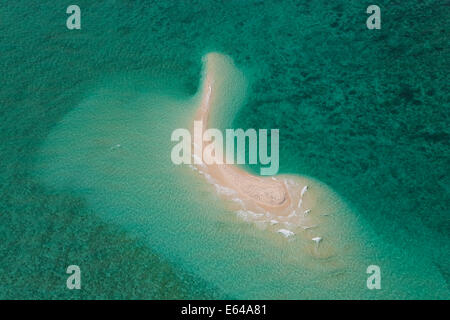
364, 112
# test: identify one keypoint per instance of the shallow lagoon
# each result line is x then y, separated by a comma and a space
376, 129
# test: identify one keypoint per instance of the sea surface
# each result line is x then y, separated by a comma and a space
85, 169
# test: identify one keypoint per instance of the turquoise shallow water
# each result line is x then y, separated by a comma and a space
112, 150
364, 112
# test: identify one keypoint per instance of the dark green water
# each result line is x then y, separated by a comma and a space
364, 111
